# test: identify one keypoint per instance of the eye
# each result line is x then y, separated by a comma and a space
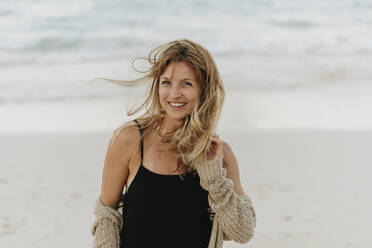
188, 83
165, 82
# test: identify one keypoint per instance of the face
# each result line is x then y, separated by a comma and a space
179, 91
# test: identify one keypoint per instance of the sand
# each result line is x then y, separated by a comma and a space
310, 188
308, 176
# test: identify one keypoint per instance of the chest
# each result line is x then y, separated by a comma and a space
156, 158
160, 159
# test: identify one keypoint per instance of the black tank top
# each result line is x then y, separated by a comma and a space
165, 211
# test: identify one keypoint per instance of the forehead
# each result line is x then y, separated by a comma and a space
179, 70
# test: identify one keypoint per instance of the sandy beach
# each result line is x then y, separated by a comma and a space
310, 188
307, 171
297, 112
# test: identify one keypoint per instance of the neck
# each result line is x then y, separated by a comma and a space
169, 125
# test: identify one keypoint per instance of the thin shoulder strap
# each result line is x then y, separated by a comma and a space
140, 128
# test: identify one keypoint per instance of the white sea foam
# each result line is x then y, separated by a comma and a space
44, 33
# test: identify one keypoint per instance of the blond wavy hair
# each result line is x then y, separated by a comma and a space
192, 139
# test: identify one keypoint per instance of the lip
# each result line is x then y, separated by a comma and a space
177, 108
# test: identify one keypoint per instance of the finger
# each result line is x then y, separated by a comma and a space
217, 138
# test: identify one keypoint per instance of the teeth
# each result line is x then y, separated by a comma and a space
177, 104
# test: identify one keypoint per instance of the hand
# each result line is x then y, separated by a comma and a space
216, 148
210, 166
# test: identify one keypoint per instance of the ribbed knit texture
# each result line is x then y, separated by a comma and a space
107, 225
234, 219
234, 214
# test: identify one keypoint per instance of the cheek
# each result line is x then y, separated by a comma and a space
162, 93
193, 101
195, 96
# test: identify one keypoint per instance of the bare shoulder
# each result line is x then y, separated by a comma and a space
123, 143
125, 135
116, 164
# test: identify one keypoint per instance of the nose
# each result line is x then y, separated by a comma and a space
175, 93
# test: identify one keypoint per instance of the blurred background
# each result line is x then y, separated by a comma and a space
297, 112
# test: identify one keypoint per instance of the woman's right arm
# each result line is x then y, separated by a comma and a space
108, 220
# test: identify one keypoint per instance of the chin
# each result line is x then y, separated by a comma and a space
180, 116
177, 117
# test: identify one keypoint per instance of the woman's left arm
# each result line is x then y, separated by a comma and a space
233, 209
230, 163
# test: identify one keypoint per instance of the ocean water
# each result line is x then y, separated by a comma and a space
45, 43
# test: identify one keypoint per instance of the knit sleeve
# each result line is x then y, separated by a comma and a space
107, 226
235, 214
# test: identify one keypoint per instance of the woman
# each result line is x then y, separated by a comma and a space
182, 181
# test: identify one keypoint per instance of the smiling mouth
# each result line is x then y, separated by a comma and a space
177, 105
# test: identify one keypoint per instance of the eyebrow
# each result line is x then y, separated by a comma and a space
181, 80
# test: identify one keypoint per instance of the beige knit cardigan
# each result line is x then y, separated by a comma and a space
234, 217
